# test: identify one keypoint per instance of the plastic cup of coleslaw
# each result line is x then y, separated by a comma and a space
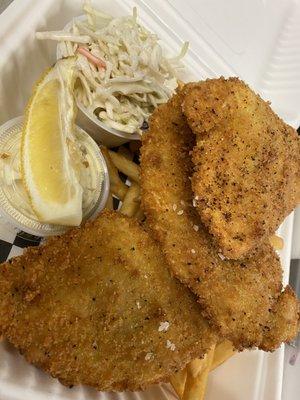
100, 132
88, 121
15, 207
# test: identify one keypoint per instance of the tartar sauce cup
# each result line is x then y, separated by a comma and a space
99, 131
15, 206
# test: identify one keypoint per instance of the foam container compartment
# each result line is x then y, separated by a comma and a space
258, 40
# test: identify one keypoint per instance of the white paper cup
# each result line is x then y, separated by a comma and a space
99, 131
22, 217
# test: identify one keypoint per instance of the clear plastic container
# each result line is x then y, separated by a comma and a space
14, 203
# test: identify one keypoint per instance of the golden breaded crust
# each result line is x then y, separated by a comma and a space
247, 164
242, 299
87, 306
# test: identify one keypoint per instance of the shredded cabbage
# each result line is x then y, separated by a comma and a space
135, 76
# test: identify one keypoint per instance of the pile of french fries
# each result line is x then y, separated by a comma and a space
121, 162
190, 383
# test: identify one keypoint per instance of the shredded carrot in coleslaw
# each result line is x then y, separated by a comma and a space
93, 59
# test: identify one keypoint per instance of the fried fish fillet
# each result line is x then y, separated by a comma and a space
97, 306
243, 299
247, 164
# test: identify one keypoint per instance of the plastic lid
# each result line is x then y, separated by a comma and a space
14, 204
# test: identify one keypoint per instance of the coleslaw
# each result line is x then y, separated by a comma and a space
122, 72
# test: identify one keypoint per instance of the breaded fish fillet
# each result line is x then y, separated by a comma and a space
244, 299
97, 306
247, 164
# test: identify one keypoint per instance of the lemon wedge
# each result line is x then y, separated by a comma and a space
49, 152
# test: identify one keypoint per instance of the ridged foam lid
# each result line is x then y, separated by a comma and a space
257, 40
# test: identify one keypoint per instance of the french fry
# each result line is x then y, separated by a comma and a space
117, 186
129, 168
195, 385
109, 204
196, 366
178, 382
180, 84
276, 242
139, 214
135, 146
223, 351
131, 202
125, 152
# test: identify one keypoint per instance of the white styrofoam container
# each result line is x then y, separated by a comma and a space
256, 40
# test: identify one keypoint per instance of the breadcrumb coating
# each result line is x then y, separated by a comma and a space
88, 307
243, 299
246, 164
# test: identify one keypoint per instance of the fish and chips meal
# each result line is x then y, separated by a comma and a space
180, 270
